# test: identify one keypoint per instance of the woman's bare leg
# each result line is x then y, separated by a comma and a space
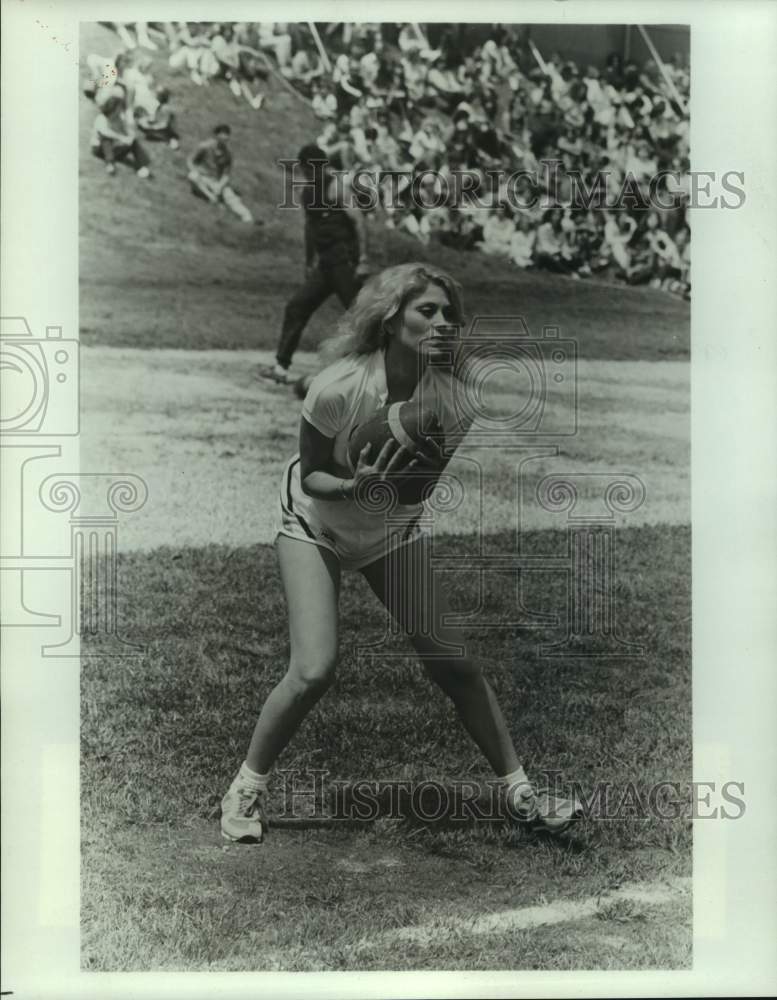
407, 572
311, 580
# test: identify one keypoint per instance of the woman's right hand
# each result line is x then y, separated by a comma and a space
390, 459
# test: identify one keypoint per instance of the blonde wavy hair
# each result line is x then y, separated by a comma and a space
362, 329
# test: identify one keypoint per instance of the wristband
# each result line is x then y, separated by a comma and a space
343, 494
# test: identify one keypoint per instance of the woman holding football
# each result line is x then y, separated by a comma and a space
394, 341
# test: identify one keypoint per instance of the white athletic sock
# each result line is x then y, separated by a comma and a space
517, 783
250, 779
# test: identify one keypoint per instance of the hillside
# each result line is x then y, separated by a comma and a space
161, 269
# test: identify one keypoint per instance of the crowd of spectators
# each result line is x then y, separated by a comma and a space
535, 135
132, 109
390, 102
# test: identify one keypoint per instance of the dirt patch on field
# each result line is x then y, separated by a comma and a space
339, 899
210, 440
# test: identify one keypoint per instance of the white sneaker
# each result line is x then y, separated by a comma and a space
243, 819
543, 811
144, 173
275, 373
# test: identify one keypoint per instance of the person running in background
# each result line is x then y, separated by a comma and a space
335, 254
209, 173
114, 138
161, 125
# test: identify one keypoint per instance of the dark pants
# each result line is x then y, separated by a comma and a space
110, 150
557, 263
160, 133
337, 278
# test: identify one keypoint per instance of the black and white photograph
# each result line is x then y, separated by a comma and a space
371, 519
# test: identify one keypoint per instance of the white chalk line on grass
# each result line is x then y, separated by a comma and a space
560, 911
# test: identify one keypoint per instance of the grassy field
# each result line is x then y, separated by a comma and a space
160, 734
165, 281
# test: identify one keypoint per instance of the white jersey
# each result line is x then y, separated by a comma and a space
340, 398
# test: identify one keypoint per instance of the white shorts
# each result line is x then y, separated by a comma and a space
355, 536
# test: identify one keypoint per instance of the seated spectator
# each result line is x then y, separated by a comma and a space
324, 100
459, 142
387, 149
190, 49
666, 257
225, 48
275, 38
650, 79
415, 71
209, 173
107, 77
305, 66
552, 248
619, 229
139, 82
413, 220
570, 142
498, 231
240, 65
160, 126
461, 231
345, 77
589, 235
522, 243
682, 241
598, 98
498, 63
641, 165
369, 69
443, 86
487, 144
427, 142
466, 77
114, 139
431, 199
363, 140
252, 75
678, 183
642, 259
337, 142
395, 97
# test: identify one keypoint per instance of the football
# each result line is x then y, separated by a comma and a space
408, 424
